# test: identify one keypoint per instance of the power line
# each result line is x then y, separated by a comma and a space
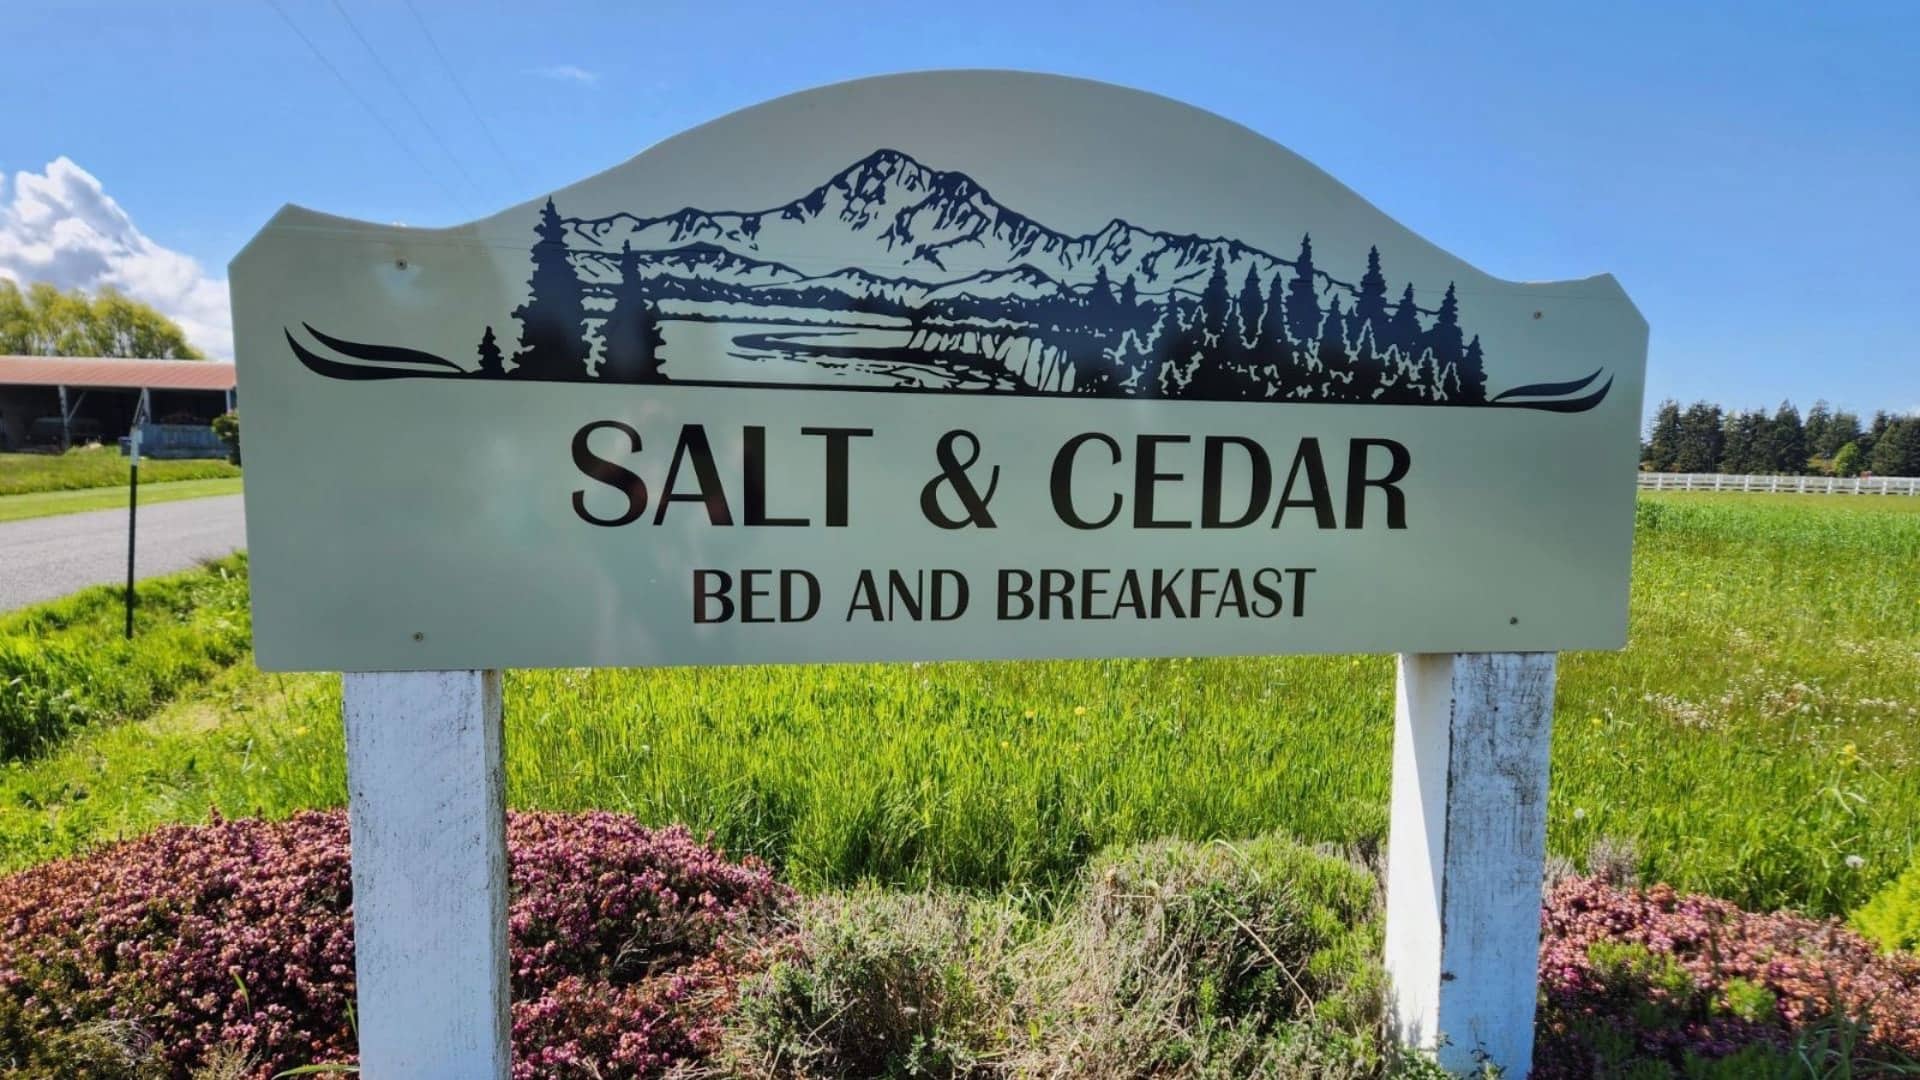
454, 77
408, 98
367, 105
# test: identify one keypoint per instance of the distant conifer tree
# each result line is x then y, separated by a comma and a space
1663, 439
553, 320
1786, 444
631, 334
1129, 297
490, 364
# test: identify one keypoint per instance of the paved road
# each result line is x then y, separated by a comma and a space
47, 557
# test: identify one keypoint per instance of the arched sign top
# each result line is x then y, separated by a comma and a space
945, 245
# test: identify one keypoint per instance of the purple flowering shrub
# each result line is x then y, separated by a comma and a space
1651, 975
149, 956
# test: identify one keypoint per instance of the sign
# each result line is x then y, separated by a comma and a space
944, 365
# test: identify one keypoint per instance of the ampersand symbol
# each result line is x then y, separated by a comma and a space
953, 473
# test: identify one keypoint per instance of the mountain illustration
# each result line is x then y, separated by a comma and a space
890, 214
892, 275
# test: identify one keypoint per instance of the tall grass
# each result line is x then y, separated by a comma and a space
97, 466
68, 663
1758, 738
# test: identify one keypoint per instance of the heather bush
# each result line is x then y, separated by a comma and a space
1892, 917
1171, 959
876, 983
234, 941
1652, 983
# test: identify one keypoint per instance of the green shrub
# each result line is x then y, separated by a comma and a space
874, 983
1172, 959
1892, 917
227, 427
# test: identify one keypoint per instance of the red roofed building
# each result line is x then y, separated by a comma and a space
50, 401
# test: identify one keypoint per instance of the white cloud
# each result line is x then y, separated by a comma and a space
61, 227
565, 73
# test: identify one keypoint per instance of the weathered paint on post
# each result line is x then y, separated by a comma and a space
1467, 854
428, 812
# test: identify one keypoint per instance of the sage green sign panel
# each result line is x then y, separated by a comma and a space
954, 364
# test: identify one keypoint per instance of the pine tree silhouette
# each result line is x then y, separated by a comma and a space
1404, 329
553, 320
1332, 352
1100, 297
1473, 373
1129, 299
631, 334
1303, 301
490, 364
1445, 338
1216, 311
1247, 322
1271, 346
1370, 301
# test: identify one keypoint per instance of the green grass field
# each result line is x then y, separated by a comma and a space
1759, 738
97, 467
48, 503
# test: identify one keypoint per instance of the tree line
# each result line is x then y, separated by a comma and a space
1273, 339
42, 320
1706, 438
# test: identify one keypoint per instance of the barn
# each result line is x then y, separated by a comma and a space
49, 402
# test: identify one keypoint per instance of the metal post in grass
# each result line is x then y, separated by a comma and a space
427, 811
1466, 853
133, 499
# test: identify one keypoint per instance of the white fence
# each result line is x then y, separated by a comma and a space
1805, 485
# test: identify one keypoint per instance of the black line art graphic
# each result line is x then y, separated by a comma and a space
977, 298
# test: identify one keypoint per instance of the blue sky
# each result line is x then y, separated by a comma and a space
1750, 171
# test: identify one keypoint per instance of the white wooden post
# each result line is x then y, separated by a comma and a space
427, 806
1467, 852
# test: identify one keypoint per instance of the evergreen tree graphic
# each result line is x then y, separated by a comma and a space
1216, 310
1445, 337
553, 320
1332, 350
1370, 299
1247, 323
1129, 298
1403, 329
631, 333
1271, 346
490, 364
1100, 297
1303, 302
1473, 373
